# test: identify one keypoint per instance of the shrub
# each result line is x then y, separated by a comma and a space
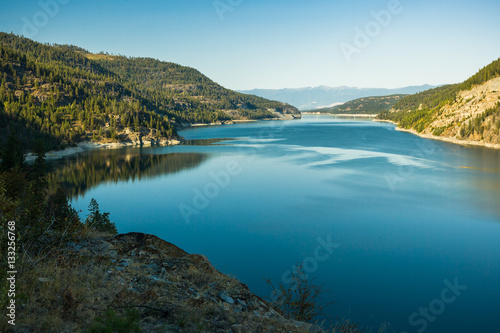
300, 300
111, 323
99, 221
438, 131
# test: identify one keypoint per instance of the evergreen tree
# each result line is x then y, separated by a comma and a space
12, 154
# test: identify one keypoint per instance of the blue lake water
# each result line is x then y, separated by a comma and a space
413, 225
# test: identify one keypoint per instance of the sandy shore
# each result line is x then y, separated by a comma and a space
354, 115
87, 145
450, 140
442, 138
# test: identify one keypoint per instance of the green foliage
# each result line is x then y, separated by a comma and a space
63, 95
418, 111
99, 221
299, 300
44, 219
438, 131
12, 155
365, 105
485, 74
111, 323
184, 93
476, 125
429, 99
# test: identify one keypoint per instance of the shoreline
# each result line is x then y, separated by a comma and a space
354, 115
89, 145
340, 115
238, 121
235, 121
219, 123
456, 141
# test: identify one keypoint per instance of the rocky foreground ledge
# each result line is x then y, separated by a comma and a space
168, 289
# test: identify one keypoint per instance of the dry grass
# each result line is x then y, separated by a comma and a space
62, 292
67, 289
93, 56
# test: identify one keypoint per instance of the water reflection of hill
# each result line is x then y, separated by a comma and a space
484, 176
79, 173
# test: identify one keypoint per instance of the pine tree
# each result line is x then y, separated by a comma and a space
12, 154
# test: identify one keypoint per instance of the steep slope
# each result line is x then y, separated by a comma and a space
63, 95
466, 113
137, 282
365, 105
321, 97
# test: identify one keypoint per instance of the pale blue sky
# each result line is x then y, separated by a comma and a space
277, 44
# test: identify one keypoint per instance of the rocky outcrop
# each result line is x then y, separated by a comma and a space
286, 114
172, 290
451, 121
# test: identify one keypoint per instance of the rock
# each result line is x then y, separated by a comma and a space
307, 327
113, 254
202, 263
125, 262
44, 280
154, 279
152, 267
226, 298
166, 284
137, 239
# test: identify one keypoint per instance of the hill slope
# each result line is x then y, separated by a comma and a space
185, 93
365, 105
321, 97
465, 113
62, 95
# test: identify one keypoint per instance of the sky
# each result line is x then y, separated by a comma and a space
246, 44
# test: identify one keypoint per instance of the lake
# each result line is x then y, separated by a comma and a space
399, 229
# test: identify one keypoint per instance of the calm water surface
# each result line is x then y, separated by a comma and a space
408, 217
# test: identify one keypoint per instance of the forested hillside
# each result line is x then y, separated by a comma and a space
63, 95
467, 111
185, 93
365, 105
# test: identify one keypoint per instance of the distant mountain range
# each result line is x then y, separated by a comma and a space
320, 97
